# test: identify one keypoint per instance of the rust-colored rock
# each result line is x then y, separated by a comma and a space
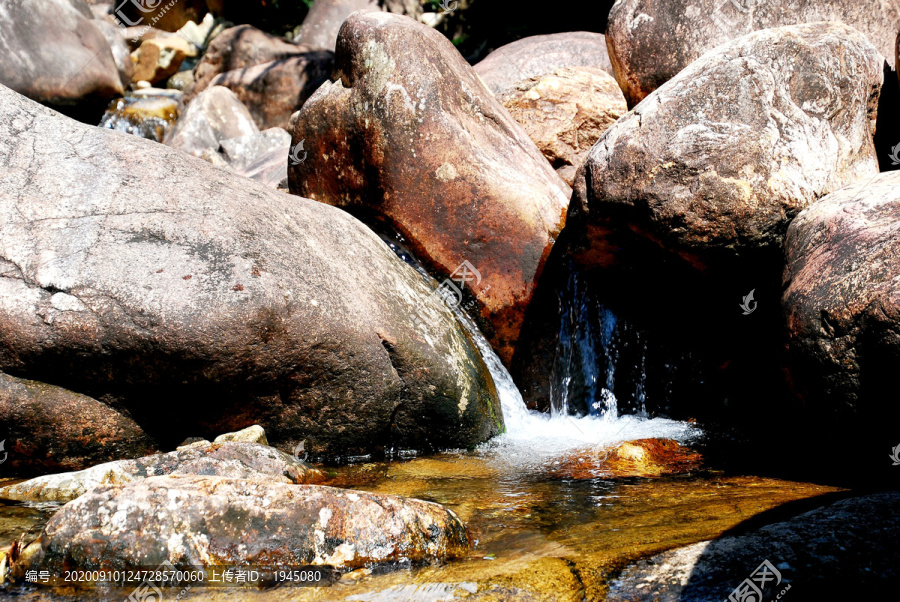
159, 58
538, 55
215, 521
639, 458
566, 112
48, 428
409, 133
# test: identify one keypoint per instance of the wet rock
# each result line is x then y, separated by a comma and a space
208, 302
233, 459
145, 116
843, 550
322, 23
640, 458
219, 521
650, 43
539, 55
273, 91
120, 50
214, 115
160, 58
251, 434
714, 165
53, 52
262, 157
48, 428
238, 48
566, 112
437, 156
841, 298
168, 16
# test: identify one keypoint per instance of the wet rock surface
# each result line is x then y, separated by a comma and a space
171, 288
215, 115
431, 151
48, 428
233, 459
639, 458
651, 42
202, 521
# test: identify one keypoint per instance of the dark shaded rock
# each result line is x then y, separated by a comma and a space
431, 151
841, 297
566, 112
280, 17
845, 550
232, 459
48, 428
53, 52
714, 165
273, 91
161, 14
215, 521
238, 48
215, 115
322, 23
539, 55
203, 302
650, 42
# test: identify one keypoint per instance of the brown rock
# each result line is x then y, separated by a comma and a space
566, 112
322, 23
640, 458
48, 428
841, 297
273, 91
539, 55
434, 153
238, 48
119, 48
160, 58
651, 42
215, 521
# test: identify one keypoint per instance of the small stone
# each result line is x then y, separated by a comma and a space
251, 434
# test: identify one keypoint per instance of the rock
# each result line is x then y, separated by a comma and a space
135, 36
437, 156
845, 550
53, 52
238, 48
539, 55
120, 51
841, 297
566, 112
715, 164
280, 17
168, 16
214, 115
160, 58
233, 459
273, 91
146, 116
206, 521
650, 43
47, 428
251, 434
208, 302
322, 23
262, 157
640, 458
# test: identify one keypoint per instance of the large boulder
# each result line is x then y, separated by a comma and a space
273, 91
238, 48
410, 134
845, 550
538, 55
121, 53
322, 23
54, 53
842, 298
158, 283
48, 428
714, 165
206, 521
650, 42
215, 115
233, 459
566, 112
